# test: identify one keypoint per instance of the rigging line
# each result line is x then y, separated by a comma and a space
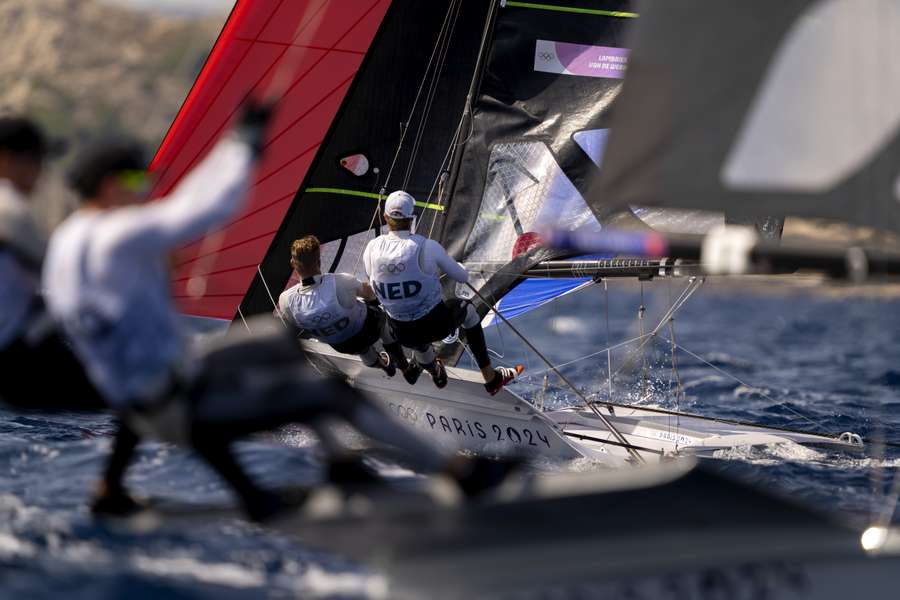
679, 388
644, 371
405, 126
432, 91
272, 299
612, 429
744, 383
591, 355
441, 170
243, 320
686, 293
591, 438
608, 351
455, 144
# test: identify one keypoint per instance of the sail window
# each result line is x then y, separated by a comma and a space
525, 191
357, 164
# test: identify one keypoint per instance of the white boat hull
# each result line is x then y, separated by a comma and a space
462, 416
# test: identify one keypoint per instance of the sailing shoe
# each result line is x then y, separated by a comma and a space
438, 373
412, 372
484, 474
502, 376
387, 365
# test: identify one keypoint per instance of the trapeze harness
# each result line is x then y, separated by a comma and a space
315, 308
406, 292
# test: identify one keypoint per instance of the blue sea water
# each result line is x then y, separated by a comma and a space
787, 357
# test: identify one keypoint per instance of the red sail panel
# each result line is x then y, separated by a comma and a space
321, 43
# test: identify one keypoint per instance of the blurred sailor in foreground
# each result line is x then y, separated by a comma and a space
404, 270
39, 370
108, 283
331, 308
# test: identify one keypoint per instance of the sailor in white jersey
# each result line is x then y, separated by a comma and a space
404, 270
332, 308
30, 347
107, 281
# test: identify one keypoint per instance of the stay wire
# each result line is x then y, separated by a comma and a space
432, 92
412, 111
721, 371
588, 404
455, 143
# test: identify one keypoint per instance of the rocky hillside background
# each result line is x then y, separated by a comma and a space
84, 68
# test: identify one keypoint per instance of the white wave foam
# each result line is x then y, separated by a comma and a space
774, 454
319, 583
867, 463
692, 383
566, 325
728, 360
13, 547
187, 567
745, 391
771, 454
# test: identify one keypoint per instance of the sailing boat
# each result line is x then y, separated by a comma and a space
499, 148
495, 115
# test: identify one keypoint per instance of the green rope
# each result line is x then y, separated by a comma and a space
343, 192
572, 9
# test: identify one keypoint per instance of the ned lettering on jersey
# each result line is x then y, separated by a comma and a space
404, 270
108, 284
37, 364
332, 309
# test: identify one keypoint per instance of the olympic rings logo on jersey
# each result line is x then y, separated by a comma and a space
324, 317
392, 268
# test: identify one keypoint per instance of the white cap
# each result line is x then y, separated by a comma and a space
400, 205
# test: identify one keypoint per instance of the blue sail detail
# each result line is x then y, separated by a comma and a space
533, 293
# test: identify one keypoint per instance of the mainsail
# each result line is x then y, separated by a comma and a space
766, 107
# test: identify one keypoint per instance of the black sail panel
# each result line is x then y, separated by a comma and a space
787, 107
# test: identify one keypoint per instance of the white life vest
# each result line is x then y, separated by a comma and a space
316, 309
405, 291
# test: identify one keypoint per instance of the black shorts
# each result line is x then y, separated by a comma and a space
369, 335
441, 322
46, 376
